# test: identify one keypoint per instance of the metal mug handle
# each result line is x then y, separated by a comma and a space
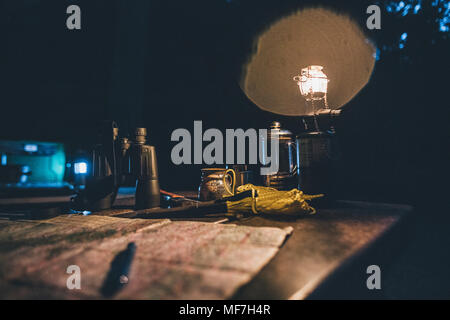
232, 174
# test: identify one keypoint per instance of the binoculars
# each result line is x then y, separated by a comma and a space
114, 161
139, 162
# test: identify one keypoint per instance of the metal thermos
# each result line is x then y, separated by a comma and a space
285, 177
315, 162
306, 163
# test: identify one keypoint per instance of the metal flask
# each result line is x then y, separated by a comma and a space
285, 177
316, 153
306, 162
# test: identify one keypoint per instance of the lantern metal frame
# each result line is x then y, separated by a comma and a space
308, 75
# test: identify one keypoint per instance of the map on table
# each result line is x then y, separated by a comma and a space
173, 259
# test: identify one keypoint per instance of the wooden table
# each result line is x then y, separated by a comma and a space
327, 254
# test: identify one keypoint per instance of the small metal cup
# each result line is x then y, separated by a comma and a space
216, 183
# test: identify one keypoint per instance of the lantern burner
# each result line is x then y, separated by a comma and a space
313, 85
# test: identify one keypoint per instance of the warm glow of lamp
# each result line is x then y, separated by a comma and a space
313, 83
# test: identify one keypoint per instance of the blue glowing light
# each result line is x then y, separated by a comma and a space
30, 148
80, 168
417, 8
402, 41
406, 10
4, 159
376, 54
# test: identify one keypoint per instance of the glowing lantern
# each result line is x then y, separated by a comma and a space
313, 83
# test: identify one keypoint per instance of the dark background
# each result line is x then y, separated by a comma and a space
163, 64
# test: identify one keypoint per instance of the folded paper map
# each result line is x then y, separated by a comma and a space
172, 260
